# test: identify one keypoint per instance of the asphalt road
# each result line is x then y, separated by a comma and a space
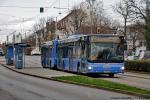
14, 86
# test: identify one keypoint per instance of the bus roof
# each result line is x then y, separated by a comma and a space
77, 37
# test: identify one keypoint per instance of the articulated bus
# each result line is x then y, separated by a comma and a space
90, 54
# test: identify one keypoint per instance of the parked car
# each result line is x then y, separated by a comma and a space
1, 52
145, 55
130, 57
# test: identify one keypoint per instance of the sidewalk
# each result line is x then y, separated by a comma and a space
137, 74
37, 71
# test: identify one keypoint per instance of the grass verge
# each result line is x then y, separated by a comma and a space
100, 83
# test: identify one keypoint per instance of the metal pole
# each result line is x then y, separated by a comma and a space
56, 28
91, 21
24, 57
36, 40
56, 24
91, 14
23, 30
7, 39
25, 37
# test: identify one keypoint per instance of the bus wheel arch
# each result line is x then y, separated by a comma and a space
78, 67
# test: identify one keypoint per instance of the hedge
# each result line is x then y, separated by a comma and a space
138, 65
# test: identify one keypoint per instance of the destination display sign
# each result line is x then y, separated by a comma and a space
112, 39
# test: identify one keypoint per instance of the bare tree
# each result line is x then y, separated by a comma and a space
116, 27
41, 30
124, 9
97, 15
136, 32
37, 34
93, 18
50, 29
77, 19
141, 9
42, 24
100, 22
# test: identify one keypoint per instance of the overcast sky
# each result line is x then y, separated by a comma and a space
11, 18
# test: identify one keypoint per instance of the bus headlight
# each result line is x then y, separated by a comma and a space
89, 67
122, 68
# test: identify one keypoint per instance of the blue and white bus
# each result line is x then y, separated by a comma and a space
90, 54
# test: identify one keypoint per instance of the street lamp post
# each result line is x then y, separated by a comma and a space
91, 3
56, 25
92, 16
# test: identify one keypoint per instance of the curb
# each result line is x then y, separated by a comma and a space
144, 96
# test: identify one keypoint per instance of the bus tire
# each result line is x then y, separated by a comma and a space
55, 67
78, 68
111, 74
50, 64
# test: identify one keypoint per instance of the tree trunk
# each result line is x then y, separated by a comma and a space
134, 41
147, 34
125, 27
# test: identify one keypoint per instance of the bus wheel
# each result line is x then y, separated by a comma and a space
44, 66
78, 71
55, 67
111, 75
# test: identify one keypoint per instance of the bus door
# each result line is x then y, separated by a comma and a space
55, 53
47, 57
50, 57
60, 66
43, 57
70, 56
83, 56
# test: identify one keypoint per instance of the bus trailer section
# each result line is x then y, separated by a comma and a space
90, 54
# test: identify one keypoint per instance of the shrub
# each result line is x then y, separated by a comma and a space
138, 65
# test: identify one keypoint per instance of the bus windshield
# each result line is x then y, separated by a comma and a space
106, 51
